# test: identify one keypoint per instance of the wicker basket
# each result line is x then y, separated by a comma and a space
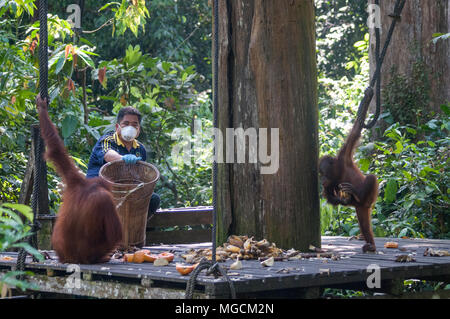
132, 188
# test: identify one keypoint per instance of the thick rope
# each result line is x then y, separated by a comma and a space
376, 79
43, 49
37, 140
212, 268
215, 123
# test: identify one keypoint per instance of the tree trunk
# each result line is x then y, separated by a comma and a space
412, 44
267, 80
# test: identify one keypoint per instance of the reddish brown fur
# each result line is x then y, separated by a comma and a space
341, 173
87, 228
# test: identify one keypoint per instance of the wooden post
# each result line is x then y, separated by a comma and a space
27, 184
26, 190
268, 80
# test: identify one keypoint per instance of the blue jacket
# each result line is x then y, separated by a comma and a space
111, 141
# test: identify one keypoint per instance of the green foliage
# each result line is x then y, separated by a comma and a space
17, 8
440, 37
415, 179
128, 15
339, 24
339, 100
14, 228
405, 98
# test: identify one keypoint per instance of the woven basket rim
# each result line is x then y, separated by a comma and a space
123, 184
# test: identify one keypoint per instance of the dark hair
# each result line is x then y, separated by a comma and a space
128, 111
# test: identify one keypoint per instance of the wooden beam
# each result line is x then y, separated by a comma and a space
104, 289
178, 236
179, 218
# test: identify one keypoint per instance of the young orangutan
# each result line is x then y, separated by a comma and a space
344, 184
87, 227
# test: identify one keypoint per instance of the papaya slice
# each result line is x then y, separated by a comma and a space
185, 269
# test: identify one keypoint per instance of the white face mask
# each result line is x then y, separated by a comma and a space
128, 133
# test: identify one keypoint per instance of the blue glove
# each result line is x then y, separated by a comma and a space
131, 159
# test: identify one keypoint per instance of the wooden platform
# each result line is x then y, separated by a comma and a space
296, 279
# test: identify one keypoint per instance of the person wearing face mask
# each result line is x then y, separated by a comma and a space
122, 144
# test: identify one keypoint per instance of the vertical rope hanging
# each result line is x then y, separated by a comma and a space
215, 122
38, 144
379, 57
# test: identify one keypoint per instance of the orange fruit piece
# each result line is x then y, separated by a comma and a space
139, 256
128, 258
185, 269
390, 244
150, 257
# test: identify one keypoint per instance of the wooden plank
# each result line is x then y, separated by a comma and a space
187, 209
27, 183
105, 289
178, 236
179, 218
255, 279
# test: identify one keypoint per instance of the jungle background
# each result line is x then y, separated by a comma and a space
156, 56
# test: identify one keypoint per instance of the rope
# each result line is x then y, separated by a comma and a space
215, 122
43, 49
212, 268
37, 140
376, 79
127, 194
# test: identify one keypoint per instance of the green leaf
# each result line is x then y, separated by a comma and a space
408, 175
23, 209
429, 189
364, 164
408, 204
86, 41
93, 132
411, 130
184, 77
390, 191
430, 170
135, 92
360, 44
33, 251
60, 52
440, 36
79, 161
398, 148
166, 66
86, 58
60, 63
432, 125
10, 279
354, 231
107, 5
88, 52
446, 109
133, 55
69, 125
